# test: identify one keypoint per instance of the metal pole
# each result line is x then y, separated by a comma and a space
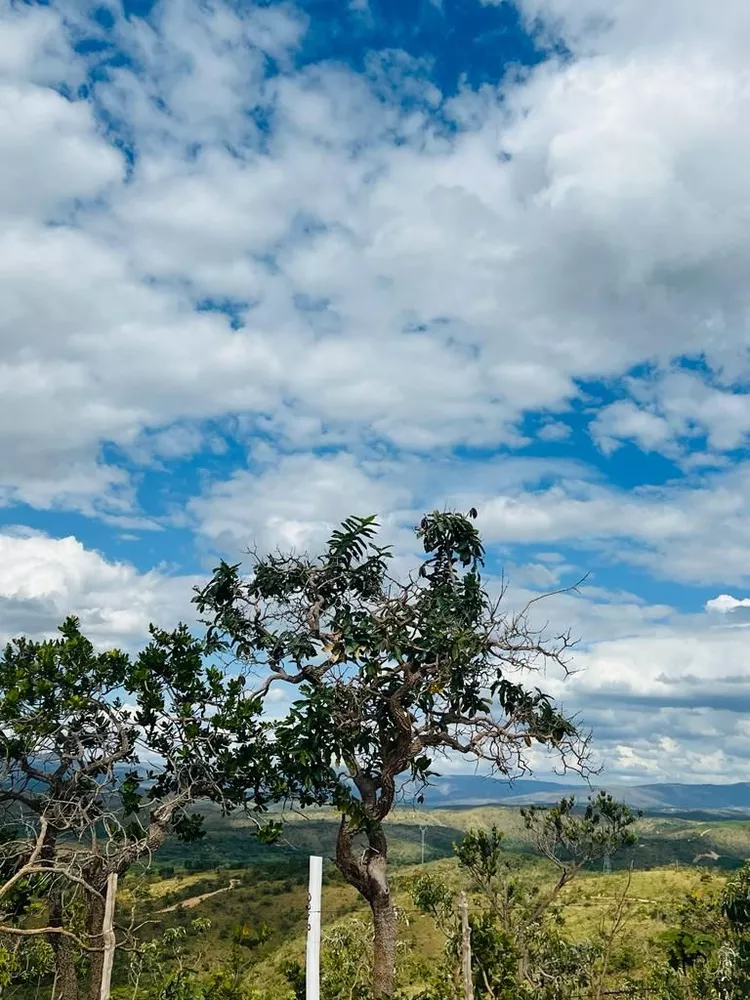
108, 937
312, 963
424, 831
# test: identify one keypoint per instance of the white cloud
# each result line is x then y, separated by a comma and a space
296, 502
667, 699
620, 26
34, 46
76, 164
692, 531
44, 579
611, 236
698, 666
623, 420
554, 430
295, 499
671, 412
724, 604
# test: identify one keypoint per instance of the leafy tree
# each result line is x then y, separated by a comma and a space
517, 947
391, 676
571, 840
101, 757
686, 949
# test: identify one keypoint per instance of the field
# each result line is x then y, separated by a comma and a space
662, 840
234, 882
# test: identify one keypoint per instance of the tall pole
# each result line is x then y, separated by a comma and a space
108, 936
463, 906
312, 963
424, 831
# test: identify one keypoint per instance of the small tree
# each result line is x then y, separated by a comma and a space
517, 906
518, 949
391, 675
91, 784
573, 840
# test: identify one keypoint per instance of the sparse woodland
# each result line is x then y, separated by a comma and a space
111, 761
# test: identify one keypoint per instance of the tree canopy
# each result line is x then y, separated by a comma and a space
103, 755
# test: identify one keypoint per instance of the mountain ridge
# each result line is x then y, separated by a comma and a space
475, 790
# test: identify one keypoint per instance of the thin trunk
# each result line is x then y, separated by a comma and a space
94, 924
466, 948
384, 946
66, 976
108, 937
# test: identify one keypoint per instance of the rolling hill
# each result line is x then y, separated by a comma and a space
667, 797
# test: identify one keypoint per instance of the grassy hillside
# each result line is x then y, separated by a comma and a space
233, 882
276, 896
661, 840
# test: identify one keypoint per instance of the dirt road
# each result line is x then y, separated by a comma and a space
186, 904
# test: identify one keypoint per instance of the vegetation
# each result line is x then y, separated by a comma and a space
164, 771
391, 675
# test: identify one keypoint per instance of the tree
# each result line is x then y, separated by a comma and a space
391, 675
518, 949
571, 840
91, 784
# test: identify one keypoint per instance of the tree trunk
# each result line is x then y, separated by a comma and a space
66, 976
94, 924
384, 946
368, 873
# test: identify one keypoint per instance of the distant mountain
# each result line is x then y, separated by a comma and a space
461, 790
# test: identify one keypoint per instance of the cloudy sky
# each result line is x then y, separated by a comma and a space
266, 264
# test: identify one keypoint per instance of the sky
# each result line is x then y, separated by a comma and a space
267, 264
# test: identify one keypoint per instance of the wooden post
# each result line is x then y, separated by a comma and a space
463, 906
312, 962
108, 937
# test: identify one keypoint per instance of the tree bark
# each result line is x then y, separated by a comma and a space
368, 873
66, 975
94, 925
385, 934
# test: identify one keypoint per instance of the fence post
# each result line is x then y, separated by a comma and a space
108, 936
312, 963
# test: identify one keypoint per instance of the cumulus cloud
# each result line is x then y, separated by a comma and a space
672, 413
294, 504
44, 579
382, 283
294, 499
734, 610
693, 531
424, 290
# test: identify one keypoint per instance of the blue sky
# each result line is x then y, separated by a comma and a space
263, 265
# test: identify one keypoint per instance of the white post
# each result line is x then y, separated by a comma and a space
312, 964
108, 936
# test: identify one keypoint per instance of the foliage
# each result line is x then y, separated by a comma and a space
345, 966
571, 841
391, 675
518, 945
80, 731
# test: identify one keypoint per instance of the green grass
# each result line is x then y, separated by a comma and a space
661, 840
273, 887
